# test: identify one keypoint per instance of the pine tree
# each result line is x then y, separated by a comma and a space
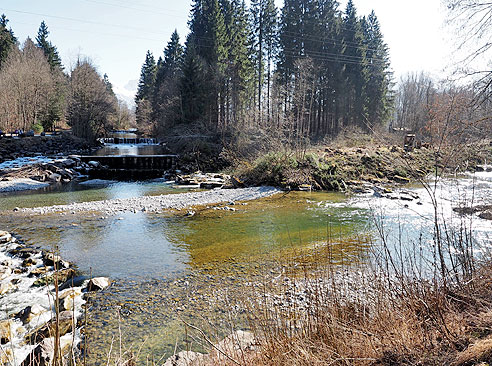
109, 86
166, 100
379, 77
208, 39
145, 91
354, 57
147, 78
49, 50
264, 20
239, 72
7, 39
171, 64
193, 87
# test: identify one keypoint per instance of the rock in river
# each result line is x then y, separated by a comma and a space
65, 321
98, 283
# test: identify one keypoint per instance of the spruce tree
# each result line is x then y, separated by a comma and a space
193, 87
264, 21
49, 50
378, 73
354, 57
166, 99
7, 39
145, 91
109, 86
208, 39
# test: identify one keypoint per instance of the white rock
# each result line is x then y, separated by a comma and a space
98, 283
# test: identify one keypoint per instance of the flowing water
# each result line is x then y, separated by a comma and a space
170, 267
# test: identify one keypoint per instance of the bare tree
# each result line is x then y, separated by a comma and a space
91, 107
414, 97
473, 21
26, 87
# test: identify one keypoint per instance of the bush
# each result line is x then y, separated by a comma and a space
37, 127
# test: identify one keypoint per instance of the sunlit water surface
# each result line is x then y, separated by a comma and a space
169, 266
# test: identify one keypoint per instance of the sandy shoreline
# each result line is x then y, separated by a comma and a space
162, 202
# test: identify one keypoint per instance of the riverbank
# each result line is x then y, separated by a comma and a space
153, 204
41, 296
350, 165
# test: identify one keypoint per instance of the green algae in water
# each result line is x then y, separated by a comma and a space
265, 227
168, 268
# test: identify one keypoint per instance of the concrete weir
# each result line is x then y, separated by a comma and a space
130, 167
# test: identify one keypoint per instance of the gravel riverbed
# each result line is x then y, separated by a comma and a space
159, 203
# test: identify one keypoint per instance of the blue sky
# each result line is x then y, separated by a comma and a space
116, 34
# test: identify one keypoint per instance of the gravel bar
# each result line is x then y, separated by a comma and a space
160, 203
21, 184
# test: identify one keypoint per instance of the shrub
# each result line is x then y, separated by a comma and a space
37, 127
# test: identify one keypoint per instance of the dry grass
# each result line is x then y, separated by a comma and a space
402, 323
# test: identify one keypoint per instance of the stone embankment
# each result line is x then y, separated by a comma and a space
27, 303
160, 203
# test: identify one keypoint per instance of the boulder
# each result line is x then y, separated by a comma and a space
23, 252
237, 341
65, 321
400, 179
63, 276
73, 282
28, 262
55, 177
38, 271
67, 298
486, 215
51, 259
98, 283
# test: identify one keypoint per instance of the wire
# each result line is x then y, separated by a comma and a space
138, 9
81, 21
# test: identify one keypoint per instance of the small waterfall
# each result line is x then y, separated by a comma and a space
129, 141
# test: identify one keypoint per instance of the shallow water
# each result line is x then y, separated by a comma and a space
168, 267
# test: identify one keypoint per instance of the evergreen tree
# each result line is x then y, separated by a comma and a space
146, 82
57, 104
145, 92
7, 39
208, 39
108, 84
240, 72
193, 87
354, 57
171, 64
166, 102
264, 21
49, 50
379, 77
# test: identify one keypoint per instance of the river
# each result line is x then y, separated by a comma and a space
169, 267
